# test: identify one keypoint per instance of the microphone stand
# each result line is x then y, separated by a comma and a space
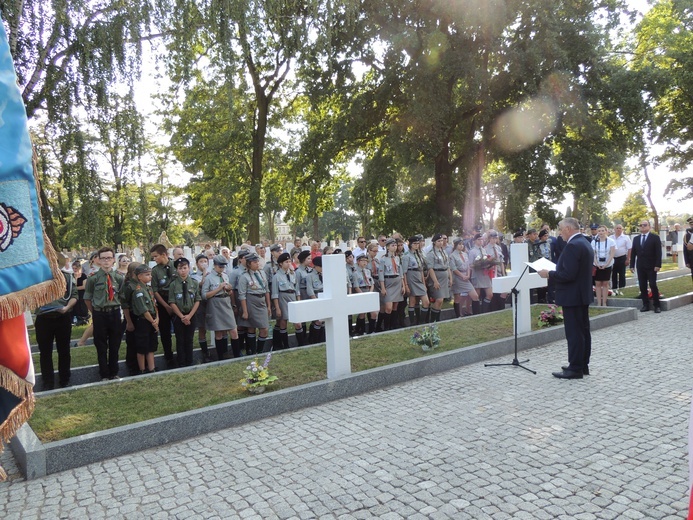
515, 362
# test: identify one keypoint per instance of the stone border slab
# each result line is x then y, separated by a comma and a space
667, 304
36, 459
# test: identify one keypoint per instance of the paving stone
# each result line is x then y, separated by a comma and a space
471, 443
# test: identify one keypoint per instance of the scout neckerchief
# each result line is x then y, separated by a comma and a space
259, 280
186, 296
374, 271
111, 290
394, 265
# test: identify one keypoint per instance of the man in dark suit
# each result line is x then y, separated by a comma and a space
573, 282
646, 255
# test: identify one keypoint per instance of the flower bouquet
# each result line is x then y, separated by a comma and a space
485, 262
257, 376
427, 338
552, 316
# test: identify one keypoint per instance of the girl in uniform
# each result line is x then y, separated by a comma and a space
439, 279
462, 288
313, 288
494, 250
283, 292
415, 269
392, 283
201, 272
362, 281
218, 292
480, 278
374, 265
254, 299
270, 268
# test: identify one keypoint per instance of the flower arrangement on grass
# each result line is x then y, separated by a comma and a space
552, 316
428, 338
257, 376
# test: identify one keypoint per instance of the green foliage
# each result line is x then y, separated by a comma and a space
634, 210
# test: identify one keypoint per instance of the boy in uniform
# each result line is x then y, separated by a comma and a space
146, 321
162, 274
184, 298
102, 296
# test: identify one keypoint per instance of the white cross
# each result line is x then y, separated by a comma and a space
334, 306
519, 254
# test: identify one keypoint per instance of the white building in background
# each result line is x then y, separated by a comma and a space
283, 232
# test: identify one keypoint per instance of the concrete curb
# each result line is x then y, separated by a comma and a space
666, 304
36, 459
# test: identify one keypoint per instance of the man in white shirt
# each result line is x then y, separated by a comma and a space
360, 248
621, 259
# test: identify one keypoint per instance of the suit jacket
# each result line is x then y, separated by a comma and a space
573, 274
688, 238
648, 255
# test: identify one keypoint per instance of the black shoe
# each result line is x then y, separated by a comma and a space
64, 385
645, 308
658, 310
585, 371
47, 385
567, 374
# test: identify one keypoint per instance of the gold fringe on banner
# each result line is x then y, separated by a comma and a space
20, 414
14, 304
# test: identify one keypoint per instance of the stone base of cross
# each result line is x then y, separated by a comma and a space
334, 306
519, 254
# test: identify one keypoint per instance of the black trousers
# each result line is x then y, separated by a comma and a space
648, 276
58, 327
108, 331
618, 273
184, 341
576, 320
165, 333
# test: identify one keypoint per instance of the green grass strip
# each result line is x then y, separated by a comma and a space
668, 288
87, 410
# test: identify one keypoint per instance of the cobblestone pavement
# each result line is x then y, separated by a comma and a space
471, 443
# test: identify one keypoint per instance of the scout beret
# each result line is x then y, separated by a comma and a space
347, 254
437, 237
477, 236
181, 261
457, 241
243, 253
283, 257
518, 234
220, 260
252, 257
141, 269
390, 241
413, 239
543, 232
303, 255
276, 247
317, 261
361, 257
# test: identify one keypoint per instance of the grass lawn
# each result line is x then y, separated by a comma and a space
669, 288
87, 410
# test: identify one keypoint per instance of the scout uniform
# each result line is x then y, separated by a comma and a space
437, 260
184, 294
130, 349
103, 290
142, 301
162, 275
414, 266
283, 292
314, 287
53, 325
390, 277
253, 289
362, 281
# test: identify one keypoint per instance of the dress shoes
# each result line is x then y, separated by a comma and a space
567, 374
645, 308
658, 310
585, 371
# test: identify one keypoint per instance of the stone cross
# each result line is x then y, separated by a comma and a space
519, 254
334, 306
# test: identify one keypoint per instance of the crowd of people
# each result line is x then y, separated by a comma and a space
236, 295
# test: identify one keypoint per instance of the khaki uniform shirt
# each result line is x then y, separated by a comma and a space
96, 290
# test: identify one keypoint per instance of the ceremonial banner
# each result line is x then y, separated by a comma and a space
29, 272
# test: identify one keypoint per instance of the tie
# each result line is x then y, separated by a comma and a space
394, 265
642, 239
186, 296
111, 290
259, 280
374, 269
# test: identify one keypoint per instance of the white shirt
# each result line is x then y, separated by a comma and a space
601, 250
358, 251
623, 244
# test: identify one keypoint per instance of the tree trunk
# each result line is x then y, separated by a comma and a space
648, 196
444, 197
256, 175
316, 228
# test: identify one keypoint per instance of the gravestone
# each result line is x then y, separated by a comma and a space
334, 306
519, 254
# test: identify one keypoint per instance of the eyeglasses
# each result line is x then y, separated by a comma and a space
362, 241
644, 225
107, 258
